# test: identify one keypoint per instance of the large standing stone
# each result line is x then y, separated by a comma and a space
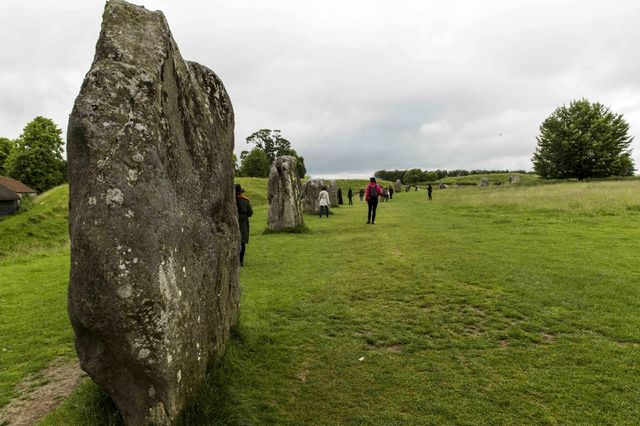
398, 186
514, 179
310, 192
153, 223
285, 206
333, 193
484, 182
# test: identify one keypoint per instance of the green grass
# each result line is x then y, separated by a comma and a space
504, 305
34, 271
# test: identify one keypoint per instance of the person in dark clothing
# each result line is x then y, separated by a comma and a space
372, 194
361, 193
350, 196
391, 192
244, 213
340, 200
429, 191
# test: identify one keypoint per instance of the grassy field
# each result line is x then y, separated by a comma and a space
504, 305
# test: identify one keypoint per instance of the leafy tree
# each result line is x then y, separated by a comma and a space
6, 146
37, 158
390, 175
274, 145
271, 142
583, 140
255, 164
413, 176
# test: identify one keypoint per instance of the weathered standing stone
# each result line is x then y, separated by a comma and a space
285, 204
310, 192
514, 179
484, 182
398, 186
333, 193
153, 223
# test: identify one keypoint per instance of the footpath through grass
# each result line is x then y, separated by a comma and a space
495, 306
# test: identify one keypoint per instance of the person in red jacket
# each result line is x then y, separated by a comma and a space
372, 194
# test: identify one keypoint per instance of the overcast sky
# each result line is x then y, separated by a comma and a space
357, 85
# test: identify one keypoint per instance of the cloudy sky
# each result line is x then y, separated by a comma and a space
357, 85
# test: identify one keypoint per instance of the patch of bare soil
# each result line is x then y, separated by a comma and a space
42, 392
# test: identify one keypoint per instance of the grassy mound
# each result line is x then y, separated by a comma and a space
43, 226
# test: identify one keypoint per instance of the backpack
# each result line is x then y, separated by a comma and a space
373, 192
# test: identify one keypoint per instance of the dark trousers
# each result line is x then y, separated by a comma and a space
350, 201
325, 209
429, 194
242, 248
371, 215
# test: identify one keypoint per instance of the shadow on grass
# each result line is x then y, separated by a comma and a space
302, 229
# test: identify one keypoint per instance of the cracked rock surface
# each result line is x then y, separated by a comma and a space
154, 285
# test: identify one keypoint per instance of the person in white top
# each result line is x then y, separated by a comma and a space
323, 201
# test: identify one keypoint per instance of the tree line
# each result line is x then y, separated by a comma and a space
35, 157
411, 176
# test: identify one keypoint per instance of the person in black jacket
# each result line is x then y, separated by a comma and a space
244, 213
350, 196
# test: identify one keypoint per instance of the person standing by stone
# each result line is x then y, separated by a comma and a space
350, 196
361, 194
429, 191
324, 201
340, 199
244, 213
373, 193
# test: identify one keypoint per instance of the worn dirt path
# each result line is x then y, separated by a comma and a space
36, 401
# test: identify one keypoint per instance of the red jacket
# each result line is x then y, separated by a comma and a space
366, 192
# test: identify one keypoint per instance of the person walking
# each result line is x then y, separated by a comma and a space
429, 191
361, 193
374, 191
340, 199
244, 213
391, 192
350, 196
323, 201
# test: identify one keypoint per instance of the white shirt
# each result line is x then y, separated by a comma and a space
323, 197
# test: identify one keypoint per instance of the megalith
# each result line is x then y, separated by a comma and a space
398, 185
285, 204
333, 193
154, 231
484, 182
514, 178
310, 192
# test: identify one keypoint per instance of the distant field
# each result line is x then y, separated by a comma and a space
504, 305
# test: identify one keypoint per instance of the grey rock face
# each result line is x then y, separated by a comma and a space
310, 192
154, 231
514, 179
285, 204
484, 182
333, 193
398, 186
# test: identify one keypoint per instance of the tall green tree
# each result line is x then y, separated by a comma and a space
37, 159
255, 164
274, 145
6, 146
413, 176
583, 140
270, 141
